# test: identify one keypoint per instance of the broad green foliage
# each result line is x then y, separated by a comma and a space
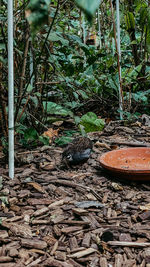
53, 108
132, 73
63, 140
37, 13
91, 122
70, 76
57, 37
32, 138
44, 140
130, 21
140, 97
144, 21
88, 6
30, 134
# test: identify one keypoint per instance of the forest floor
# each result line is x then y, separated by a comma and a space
54, 216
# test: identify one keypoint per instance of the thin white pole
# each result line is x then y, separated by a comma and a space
10, 89
113, 46
99, 30
119, 51
83, 27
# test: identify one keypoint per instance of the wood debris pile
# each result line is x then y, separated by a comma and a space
76, 217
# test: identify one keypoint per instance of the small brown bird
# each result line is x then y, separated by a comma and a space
78, 151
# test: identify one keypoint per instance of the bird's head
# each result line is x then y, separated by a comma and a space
67, 156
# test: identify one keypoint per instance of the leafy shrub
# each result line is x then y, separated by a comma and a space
91, 122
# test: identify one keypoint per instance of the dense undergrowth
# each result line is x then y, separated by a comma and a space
60, 74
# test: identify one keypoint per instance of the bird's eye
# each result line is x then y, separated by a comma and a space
69, 157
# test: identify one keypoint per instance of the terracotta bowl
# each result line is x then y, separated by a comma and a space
128, 163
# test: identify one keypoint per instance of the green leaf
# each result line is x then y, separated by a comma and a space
130, 21
77, 119
20, 128
73, 104
29, 88
91, 122
140, 4
143, 16
4, 199
83, 94
139, 96
75, 38
38, 94
134, 72
37, 13
3, 60
133, 42
88, 6
44, 140
34, 100
82, 130
55, 37
30, 134
2, 46
69, 132
63, 140
53, 108
112, 83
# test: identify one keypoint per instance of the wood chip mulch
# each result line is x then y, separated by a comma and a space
54, 216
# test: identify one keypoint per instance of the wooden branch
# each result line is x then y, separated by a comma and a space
38, 83
82, 253
128, 244
22, 78
136, 144
24, 63
3, 113
18, 119
74, 222
77, 186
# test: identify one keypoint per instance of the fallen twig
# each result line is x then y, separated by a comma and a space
129, 244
